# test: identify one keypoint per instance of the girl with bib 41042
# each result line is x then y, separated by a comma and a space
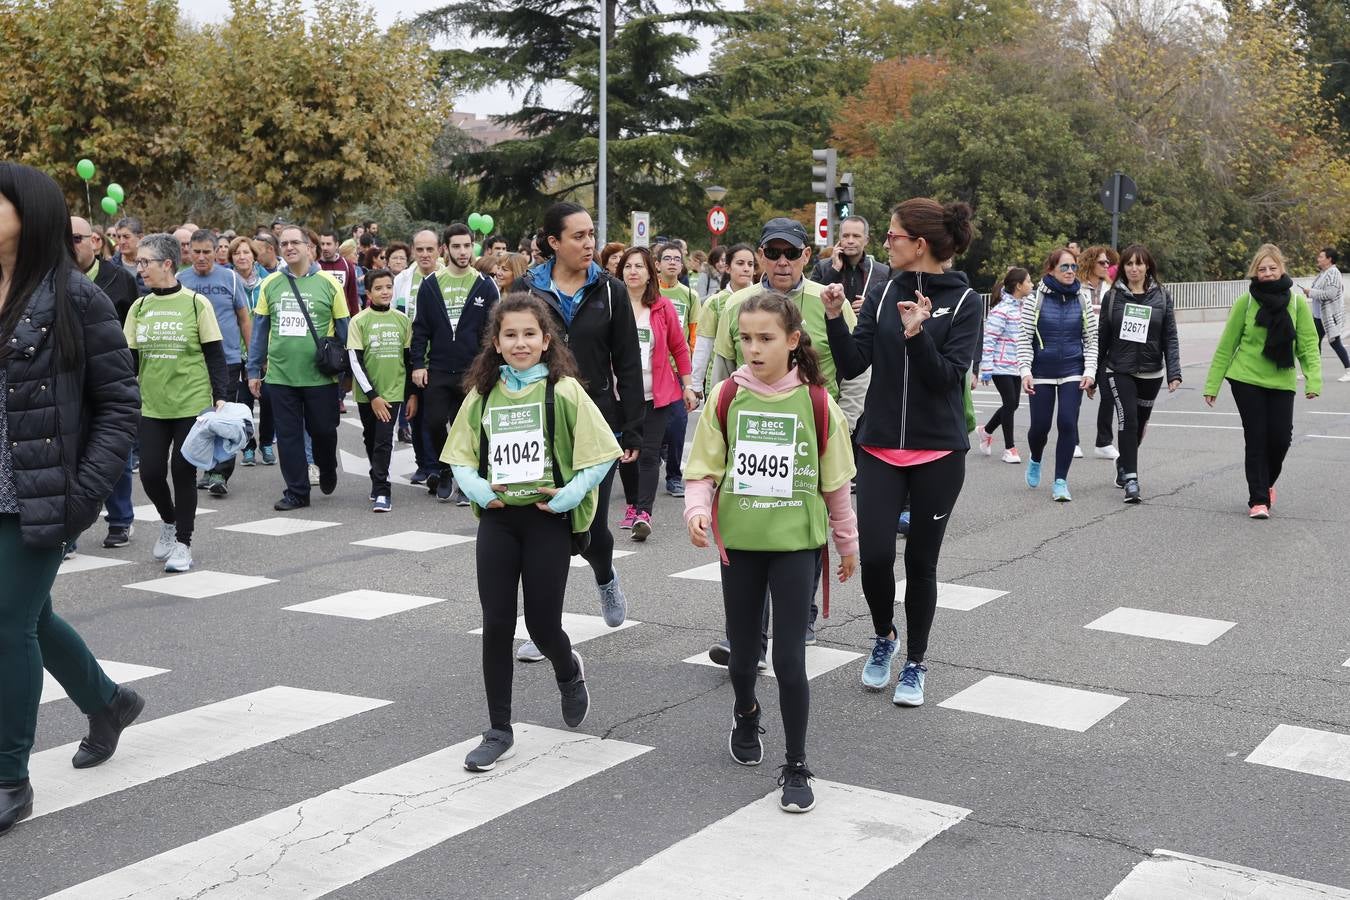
528, 448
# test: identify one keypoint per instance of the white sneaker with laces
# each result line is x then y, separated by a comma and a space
180, 560
1345, 377
986, 442
313, 474
1077, 452
1107, 452
1012, 456
167, 540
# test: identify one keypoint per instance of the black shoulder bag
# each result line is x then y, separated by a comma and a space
330, 357
581, 540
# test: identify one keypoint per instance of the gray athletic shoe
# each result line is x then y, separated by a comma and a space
180, 560
167, 540
498, 744
576, 700
528, 652
613, 605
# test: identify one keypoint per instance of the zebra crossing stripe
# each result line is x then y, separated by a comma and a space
1170, 874
164, 746
327, 842
822, 854
118, 672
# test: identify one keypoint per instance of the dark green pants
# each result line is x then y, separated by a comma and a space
31, 638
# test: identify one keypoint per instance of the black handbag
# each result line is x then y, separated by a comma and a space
330, 357
581, 540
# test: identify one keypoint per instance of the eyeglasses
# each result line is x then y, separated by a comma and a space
672, 259
772, 254
897, 235
142, 263
1068, 267
291, 243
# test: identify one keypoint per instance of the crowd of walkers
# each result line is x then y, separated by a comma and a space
525, 383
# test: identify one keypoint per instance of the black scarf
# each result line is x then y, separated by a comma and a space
1273, 296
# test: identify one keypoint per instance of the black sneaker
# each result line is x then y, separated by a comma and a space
433, 482
576, 700
105, 728
289, 502
796, 783
118, 536
457, 497
203, 481
1120, 475
744, 743
720, 653
1132, 491
328, 481
16, 803
498, 744
418, 477
445, 488
218, 487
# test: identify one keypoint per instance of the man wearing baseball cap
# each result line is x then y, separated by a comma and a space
784, 253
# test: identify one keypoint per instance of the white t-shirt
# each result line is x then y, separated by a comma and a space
644, 330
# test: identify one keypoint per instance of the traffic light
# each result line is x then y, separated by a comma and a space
824, 165
843, 196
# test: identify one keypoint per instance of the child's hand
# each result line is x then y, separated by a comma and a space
380, 407
847, 565
496, 504
547, 492
698, 531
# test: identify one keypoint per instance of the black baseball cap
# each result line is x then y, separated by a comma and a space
782, 229
279, 221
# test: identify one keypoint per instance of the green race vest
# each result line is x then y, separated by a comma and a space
168, 332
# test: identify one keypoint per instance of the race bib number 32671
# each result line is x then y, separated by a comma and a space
1134, 324
516, 443
764, 455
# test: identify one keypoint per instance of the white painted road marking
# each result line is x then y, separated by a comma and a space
1177, 875
161, 747
819, 660
711, 572
278, 526
579, 562
327, 842
579, 628
852, 836
958, 596
119, 672
1040, 704
85, 563
200, 585
415, 541
364, 604
1160, 625
1305, 750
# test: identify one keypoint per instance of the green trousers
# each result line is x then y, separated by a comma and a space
33, 638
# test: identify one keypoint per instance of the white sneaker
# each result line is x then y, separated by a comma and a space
1107, 452
1011, 456
313, 474
164, 544
986, 443
180, 560
1077, 452
1345, 377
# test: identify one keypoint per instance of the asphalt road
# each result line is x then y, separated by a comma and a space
1149, 750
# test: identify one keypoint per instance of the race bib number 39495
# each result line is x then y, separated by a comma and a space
516, 443
764, 455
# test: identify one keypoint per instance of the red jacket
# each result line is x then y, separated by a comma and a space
345, 273
666, 332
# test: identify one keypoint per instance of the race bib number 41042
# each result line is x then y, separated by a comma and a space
516, 443
764, 455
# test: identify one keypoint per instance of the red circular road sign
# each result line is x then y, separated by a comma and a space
717, 220
823, 229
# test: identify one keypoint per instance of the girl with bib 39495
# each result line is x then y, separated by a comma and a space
528, 448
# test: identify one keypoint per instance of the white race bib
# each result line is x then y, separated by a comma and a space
291, 323
1134, 325
645, 342
516, 443
764, 456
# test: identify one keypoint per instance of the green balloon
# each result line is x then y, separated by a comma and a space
477, 249
475, 222
85, 169
109, 206
115, 191
487, 222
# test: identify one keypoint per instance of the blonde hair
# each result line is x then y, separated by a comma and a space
238, 242
1264, 252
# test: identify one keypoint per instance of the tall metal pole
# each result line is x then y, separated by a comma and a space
1115, 211
602, 176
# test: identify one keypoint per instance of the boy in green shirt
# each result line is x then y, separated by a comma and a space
377, 349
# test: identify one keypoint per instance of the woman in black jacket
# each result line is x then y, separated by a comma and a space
68, 408
919, 336
1136, 345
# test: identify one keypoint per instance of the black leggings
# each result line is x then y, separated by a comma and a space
161, 445
788, 577
1267, 431
931, 490
1335, 344
1106, 415
640, 478
505, 538
1042, 406
600, 554
1010, 391
1133, 404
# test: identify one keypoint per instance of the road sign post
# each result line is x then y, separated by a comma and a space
822, 224
1119, 192
642, 229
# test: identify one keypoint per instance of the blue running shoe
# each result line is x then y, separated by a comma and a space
909, 690
876, 673
1033, 474
902, 525
1060, 491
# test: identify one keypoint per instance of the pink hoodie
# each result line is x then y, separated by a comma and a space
698, 495
667, 342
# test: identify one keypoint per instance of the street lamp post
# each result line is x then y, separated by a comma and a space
602, 176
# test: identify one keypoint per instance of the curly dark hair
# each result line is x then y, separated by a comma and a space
485, 372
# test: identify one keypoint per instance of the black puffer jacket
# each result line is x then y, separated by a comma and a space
70, 431
1160, 350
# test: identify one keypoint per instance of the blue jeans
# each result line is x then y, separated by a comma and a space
118, 504
672, 447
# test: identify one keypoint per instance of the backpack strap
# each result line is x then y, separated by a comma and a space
548, 424
820, 409
724, 398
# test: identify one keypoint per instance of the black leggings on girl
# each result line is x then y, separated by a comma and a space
521, 547
931, 490
1010, 391
1134, 398
161, 445
788, 576
600, 554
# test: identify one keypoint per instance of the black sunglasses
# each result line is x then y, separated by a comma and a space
773, 253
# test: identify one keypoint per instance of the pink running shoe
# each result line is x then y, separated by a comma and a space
629, 517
